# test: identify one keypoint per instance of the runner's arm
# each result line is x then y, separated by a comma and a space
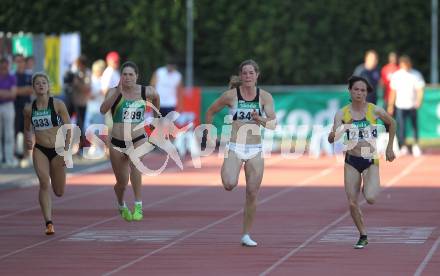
27, 126
270, 121
109, 100
336, 129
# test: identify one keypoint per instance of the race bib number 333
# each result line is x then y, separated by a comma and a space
41, 119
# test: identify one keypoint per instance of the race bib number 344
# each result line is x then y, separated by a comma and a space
245, 114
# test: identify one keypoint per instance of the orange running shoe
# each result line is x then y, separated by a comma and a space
50, 230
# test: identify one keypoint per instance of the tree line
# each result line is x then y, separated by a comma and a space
295, 42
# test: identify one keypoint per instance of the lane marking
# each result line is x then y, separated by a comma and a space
194, 190
153, 236
61, 200
99, 223
85, 172
219, 221
396, 178
400, 235
427, 258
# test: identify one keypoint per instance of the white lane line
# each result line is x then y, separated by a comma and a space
100, 222
427, 258
403, 173
282, 192
85, 172
92, 169
64, 199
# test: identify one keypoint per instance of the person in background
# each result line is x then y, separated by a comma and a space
110, 79
370, 72
406, 97
168, 82
93, 115
30, 64
24, 92
385, 76
8, 90
110, 76
81, 94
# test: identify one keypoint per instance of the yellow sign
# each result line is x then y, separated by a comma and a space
52, 63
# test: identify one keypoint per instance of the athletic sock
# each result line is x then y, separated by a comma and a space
122, 206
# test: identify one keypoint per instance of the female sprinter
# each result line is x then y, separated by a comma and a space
46, 115
127, 103
247, 104
358, 122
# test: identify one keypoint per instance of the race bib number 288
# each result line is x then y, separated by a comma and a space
133, 115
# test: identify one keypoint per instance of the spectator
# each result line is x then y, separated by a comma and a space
110, 77
68, 89
370, 72
8, 86
81, 93
406, 97
168, 82
24, 92
30, 63
93, 115
385, 76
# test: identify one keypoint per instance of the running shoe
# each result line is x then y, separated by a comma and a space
125, 213
137, 212
50, 230
247, 241
416, 152
362, 242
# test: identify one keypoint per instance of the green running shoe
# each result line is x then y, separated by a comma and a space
362, 242
137, 212
125, 213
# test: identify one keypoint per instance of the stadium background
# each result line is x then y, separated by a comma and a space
306, 49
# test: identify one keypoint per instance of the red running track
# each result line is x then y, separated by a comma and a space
192, 226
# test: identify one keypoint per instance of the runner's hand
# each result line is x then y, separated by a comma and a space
389, 154
255, 116
29, 143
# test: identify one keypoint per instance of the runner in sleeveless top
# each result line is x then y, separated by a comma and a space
127, 103
357, 122
251, 107
45, 115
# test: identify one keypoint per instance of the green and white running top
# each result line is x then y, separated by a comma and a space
129, 111
47, 118
243, 110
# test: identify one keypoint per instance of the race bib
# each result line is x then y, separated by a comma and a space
361, 133
42, 120
133, 114
245, 114
245, 109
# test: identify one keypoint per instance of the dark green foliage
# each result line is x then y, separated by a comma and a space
295, 42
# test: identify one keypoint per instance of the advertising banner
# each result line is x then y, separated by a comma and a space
300, 111
52, 63
22, 44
